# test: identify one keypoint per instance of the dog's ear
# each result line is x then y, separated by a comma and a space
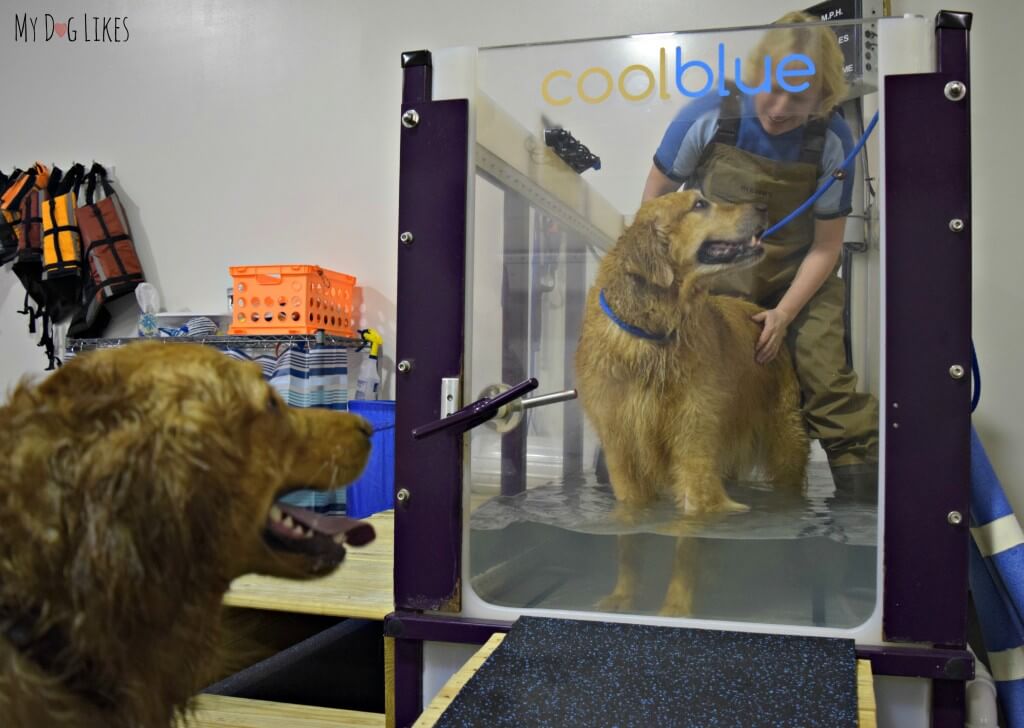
130, 471
647, 254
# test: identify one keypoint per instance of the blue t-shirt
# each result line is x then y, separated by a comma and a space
695, 125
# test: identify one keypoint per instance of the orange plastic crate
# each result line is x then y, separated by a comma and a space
291, 299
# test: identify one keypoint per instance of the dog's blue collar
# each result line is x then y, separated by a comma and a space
628, 328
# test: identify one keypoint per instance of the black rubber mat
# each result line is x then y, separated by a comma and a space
559, 672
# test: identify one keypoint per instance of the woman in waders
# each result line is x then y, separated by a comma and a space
776, 148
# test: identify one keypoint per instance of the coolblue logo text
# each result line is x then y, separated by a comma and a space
693, 78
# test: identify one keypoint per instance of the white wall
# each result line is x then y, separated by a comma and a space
256, 131
264, 131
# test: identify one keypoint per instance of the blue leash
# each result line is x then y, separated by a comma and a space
628, 328
976, 374
831, 181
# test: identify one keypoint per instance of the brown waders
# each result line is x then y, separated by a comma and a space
844, 420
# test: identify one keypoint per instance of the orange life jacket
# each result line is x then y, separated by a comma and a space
28, 256
113, 264
16, 188
62, 243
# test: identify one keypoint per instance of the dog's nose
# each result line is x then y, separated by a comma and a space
761, 207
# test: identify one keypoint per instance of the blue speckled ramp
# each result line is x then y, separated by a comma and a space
558, 672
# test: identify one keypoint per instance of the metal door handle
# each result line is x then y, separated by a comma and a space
476, 413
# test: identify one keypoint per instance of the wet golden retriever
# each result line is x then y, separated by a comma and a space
135, 485
667, 375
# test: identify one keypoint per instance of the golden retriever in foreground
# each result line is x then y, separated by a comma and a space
666, 372
135, 485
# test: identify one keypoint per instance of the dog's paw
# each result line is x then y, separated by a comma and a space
724, 505
616, 602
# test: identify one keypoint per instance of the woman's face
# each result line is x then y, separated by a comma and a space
780, 111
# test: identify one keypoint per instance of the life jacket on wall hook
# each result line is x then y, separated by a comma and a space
113, 267
8, 223
71, 260
62, 243
14, 190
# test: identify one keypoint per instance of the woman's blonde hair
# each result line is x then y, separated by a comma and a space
817, 42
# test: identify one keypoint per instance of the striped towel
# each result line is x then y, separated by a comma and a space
997, 581
195, 326
305, 377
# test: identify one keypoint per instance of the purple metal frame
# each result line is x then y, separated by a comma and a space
408, 681
928, 333
928, 339
956, 665
431, 315
926, 412
415, 626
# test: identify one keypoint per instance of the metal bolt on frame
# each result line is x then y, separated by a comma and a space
955, 90
410, 119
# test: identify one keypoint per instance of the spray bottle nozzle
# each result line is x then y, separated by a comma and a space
372, 339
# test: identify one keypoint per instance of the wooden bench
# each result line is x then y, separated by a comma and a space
217, 711
361, 588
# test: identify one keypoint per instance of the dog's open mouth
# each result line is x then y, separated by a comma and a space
299, 530
729, 252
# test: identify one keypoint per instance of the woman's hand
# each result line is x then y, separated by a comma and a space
775, 321
817, 265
